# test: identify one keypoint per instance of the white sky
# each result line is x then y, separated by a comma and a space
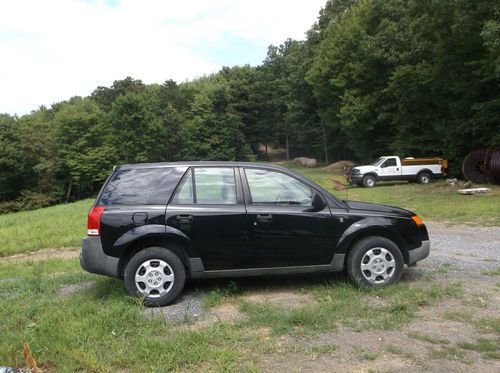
51, 50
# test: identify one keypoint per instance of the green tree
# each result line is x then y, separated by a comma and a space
85, 156
12, 164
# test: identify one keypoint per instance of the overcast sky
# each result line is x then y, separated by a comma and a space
51, 50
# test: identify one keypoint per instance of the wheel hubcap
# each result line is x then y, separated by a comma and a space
154, 278
369, 182
377, 265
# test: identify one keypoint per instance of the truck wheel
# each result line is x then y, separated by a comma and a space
156, 274
375, 262
369, 181
424, 178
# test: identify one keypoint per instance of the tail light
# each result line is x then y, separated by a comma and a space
94, 220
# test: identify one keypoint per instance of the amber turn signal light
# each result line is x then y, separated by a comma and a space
417, 220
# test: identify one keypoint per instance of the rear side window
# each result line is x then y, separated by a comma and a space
210, 186
141, 186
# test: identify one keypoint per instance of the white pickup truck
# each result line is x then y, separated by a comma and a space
421, 170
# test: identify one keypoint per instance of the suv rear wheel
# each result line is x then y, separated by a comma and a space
375, 262
157, 274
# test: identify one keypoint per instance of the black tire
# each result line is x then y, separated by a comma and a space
369, 181
149, 263
424, 177
356, 259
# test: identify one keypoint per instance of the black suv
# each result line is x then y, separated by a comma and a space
157, 224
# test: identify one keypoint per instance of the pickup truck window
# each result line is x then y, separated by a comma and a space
390, 162
378, 161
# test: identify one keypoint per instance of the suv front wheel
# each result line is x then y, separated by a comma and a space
375, 262
157, 274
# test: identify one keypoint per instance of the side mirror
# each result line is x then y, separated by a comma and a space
317, 203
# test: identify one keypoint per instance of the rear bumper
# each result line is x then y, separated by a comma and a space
420, 252
94, 260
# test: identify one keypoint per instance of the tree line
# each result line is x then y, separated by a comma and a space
372, 77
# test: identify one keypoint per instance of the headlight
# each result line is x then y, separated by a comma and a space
355, 171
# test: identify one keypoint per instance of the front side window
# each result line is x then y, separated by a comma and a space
271, 187
390, 162
210, 186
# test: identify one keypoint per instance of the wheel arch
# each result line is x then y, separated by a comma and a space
371, 173
426, 170
369, 227
172, 239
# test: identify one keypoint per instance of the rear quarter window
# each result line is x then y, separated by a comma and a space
141, 186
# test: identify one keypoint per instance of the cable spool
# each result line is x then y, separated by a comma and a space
482, 166
495, 167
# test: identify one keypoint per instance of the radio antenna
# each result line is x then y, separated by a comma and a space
345, 183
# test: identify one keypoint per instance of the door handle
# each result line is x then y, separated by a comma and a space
264, 218
184, 218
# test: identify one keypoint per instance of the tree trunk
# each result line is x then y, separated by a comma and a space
325, 143
287, 147
68, 193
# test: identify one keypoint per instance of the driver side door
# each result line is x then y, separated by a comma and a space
283, 230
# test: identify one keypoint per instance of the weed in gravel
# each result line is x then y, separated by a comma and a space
428, 338
450, 353
396, 350
481, 300
488, 348
488, 324
316, 351
459, 316
220, 294
492, 272
365, 355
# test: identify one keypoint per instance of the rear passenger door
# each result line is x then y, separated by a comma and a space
208, 207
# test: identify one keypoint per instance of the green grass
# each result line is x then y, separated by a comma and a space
64, 225
100, 328
56, 226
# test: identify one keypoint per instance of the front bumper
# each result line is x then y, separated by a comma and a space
420, 252
356, 178
94, 260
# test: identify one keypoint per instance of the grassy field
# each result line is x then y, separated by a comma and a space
64, 225
56, 226
98, 328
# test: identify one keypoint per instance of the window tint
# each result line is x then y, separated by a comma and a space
213, 186
141, 186
273, 187
390, 162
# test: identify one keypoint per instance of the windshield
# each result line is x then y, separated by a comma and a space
378, 161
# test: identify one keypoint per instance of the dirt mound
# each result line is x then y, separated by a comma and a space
338, 167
